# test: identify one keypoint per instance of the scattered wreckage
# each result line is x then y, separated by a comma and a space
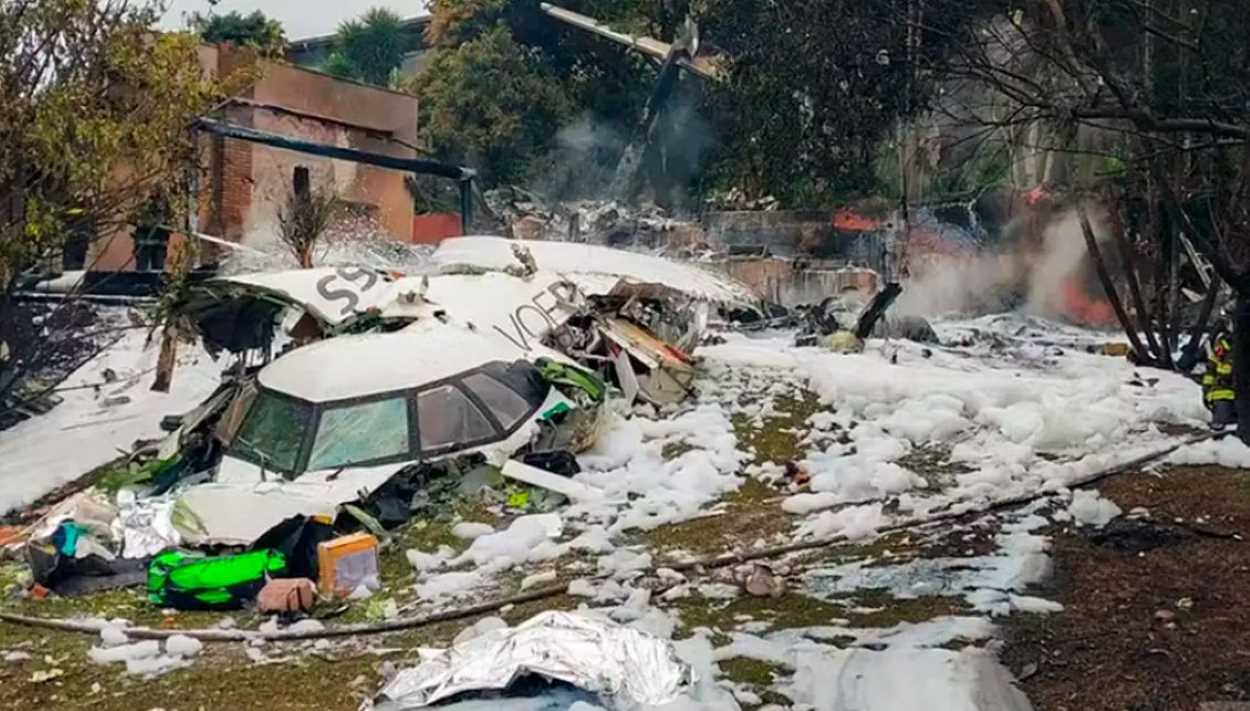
355, 397
352, 392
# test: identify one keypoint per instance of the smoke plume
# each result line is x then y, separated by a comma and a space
1046, 274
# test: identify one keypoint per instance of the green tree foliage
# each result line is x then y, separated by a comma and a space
816, 91
453, 22
369, 48
257, 31
816, 86
492, 103
96, 119
578, 77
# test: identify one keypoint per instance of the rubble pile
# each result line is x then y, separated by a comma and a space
527, 216
735, 199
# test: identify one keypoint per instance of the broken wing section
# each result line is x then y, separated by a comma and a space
577, 261
241, 313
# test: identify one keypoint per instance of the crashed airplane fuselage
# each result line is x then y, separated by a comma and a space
332, 422
524, 293
383, 371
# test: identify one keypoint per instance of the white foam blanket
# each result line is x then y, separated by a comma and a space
619, 663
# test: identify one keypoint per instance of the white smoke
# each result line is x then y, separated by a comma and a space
960, 285
1029, 275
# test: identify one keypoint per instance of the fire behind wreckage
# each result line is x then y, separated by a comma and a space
349, 390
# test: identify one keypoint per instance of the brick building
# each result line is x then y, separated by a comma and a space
242, 185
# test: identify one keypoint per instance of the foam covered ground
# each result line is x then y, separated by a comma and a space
85, 431
1014, 406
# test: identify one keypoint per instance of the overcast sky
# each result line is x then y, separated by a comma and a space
301, 18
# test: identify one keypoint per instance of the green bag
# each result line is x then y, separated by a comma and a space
189, 581
562, 374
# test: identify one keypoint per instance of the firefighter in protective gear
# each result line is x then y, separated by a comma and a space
1218, 389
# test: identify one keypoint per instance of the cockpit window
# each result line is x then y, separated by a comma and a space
273, 432
356, 434
477, 407
448, 418
504, 403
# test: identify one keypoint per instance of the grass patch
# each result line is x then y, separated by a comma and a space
753, 493
778, 439
739, 526
932, 462
428, 536
789, 611
752, 671
673, 450
223, 677
888, 548
892, 611
769, 697
128, 604
1242, 484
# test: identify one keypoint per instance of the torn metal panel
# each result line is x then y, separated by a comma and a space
333, 296
625, 374
240, 313
645, 346
575, 491
626, 667
237, 509
670, 373
577, 261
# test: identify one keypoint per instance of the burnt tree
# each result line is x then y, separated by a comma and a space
1148, 104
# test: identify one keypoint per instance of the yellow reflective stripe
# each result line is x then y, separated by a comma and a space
1224, 369
1220, 395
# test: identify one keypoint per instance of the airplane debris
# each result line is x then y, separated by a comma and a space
620, 664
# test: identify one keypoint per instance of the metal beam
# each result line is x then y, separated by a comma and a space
410, 165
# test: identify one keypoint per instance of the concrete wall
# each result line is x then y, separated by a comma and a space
784, 233
794, 234
791, 282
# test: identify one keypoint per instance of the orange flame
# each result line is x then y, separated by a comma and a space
851, 221
1081, 308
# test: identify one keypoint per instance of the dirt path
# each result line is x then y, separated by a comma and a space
1147, 630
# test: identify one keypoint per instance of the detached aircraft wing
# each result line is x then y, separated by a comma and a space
707, 67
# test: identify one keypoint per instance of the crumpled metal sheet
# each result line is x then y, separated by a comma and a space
146, 528
625, 666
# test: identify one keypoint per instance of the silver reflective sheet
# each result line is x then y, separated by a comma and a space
146, 528
625, 666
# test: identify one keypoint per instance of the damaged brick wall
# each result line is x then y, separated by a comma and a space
242, 185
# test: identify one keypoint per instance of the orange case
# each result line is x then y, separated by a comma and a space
344, 563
